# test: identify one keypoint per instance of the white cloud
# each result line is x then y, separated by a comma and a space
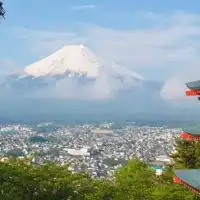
174, 87
147, 48
171, 39
7, 66
83, 7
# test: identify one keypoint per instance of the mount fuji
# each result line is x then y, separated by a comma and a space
73, 81
71, 72
75, 60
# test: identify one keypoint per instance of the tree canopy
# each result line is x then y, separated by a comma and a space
21, 180
187, 154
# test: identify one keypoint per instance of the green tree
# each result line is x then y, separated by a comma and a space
173, 192
134, 181
20, 180
165, 189
186, 154
137, 181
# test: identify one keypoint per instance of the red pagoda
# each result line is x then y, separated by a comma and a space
193, 89
190, 133
190, 178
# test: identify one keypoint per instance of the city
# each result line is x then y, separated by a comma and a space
97, 150
99, 100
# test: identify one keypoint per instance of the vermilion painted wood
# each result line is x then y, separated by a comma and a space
177, 180
188, 136
192, 92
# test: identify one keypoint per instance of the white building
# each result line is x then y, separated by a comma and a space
164, 158
78, 152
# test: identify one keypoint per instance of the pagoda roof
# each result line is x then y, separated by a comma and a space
195, 130
194, 85
189, 176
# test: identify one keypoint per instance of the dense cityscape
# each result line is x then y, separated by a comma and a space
95, 149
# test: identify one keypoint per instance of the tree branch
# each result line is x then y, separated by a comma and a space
2, 11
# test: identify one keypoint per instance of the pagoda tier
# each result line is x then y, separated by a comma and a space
188, 136
195, 85
190, 178
194, 89
191, 133
192, 92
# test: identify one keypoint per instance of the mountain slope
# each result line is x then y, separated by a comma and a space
71, 72
76, 60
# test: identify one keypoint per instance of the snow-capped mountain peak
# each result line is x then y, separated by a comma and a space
72, 72
72, 58
78, 61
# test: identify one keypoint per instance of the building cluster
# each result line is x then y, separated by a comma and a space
95, 149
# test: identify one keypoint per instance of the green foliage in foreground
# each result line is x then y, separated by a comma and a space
20, 180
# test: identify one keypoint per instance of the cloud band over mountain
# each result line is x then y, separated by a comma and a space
72, 72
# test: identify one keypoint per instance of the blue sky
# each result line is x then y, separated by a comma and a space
153, 38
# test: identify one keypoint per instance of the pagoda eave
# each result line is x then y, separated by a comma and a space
192, 92
188, 136
177, 180
193, 85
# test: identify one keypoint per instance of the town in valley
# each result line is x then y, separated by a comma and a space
97, 149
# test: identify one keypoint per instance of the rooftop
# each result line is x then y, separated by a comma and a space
189, 176
195, 130
194, 85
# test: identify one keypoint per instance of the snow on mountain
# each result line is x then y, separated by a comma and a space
76, 60
73, 58
71, 72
